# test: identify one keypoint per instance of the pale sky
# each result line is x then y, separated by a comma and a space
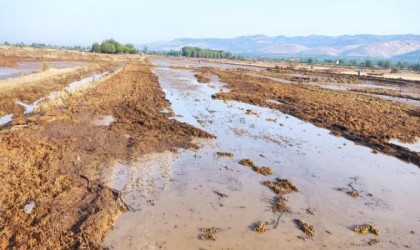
73, 22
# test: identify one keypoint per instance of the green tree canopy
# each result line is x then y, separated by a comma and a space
205, 53
111, 46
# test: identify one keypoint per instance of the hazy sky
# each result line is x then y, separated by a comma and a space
71, 22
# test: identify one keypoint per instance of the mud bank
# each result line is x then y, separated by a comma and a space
52, 163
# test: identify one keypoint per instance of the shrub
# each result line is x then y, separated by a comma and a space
395, 70
45, 66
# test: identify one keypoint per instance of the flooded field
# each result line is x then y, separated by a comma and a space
174, 199
133, 152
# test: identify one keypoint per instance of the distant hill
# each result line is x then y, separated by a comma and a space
411, 56
374, 46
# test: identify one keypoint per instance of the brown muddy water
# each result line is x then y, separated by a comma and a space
172, 195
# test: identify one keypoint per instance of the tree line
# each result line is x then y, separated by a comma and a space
205, 53
111, 46
367, 63
46, 46
195, 52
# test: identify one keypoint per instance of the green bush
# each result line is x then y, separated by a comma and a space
205, 53
111, 46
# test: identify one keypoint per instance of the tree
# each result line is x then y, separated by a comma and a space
368, 63
107, 47
387, 65
96, 47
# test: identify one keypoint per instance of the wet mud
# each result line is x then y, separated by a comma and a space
190, 190
366, 120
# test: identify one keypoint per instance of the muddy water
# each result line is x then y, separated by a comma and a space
172, 195
5, 119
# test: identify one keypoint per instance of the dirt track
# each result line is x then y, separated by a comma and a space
57, 158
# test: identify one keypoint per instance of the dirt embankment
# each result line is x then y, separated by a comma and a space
57, 161
30, 88
16, 54
366, 120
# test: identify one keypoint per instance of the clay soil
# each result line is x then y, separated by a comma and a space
57, 159
367, 120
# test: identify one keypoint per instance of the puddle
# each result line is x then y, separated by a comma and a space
275, 102
85, 81
7, 72
106, 120
29, 108
6, 119
412, 146
26, 68
171, 196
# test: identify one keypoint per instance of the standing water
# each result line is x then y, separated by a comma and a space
172, 196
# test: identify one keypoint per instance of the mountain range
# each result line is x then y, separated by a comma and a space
401, 47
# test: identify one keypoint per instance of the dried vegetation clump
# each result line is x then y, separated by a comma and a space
260, 227
261, 170
309, 230
264, 171
208, 233
281, 186
366, 228
247, 162
279, 204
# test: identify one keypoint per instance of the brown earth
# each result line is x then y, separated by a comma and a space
367, 120
57, 159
